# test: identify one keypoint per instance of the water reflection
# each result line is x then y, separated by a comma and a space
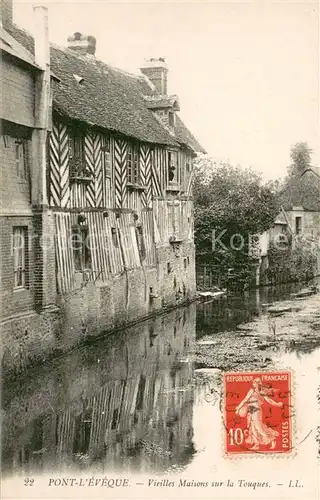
226, 313
132, 402
124, 403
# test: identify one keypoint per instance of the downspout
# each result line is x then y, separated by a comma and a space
44, 284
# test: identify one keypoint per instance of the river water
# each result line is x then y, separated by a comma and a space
136, 403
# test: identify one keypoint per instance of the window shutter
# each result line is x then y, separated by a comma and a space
107, 164
106, 156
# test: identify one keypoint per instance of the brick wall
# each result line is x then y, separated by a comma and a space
94, 309
14, 301
44, 254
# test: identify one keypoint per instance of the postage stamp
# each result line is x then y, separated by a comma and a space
258, 412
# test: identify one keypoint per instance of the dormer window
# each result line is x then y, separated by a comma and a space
171, 119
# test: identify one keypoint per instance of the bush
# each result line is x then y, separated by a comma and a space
290, 264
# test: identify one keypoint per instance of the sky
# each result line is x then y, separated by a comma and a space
246, 73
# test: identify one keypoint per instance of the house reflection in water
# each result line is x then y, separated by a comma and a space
122, 404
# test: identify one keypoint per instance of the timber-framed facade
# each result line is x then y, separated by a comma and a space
115, 216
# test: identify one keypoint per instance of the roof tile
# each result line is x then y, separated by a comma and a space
107, 97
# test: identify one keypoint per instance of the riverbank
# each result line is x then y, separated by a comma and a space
253, 345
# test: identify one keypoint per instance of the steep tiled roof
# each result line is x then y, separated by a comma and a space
183, 134
314, 171
107, 97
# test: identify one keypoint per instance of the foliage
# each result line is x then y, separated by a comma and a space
231, 204
300, 187
287, 264
300, 155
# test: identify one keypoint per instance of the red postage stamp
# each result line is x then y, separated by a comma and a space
257, 412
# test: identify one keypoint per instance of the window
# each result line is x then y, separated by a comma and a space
20, 256
282, 240
76, 144
21, 159
81, 248
173, 166
171, 119
298, 225
77, 161
133, 164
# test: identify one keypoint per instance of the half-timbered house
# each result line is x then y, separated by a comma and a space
118, 186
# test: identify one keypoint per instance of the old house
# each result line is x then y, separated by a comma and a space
27, 267
298, 222
118, 206
301, 204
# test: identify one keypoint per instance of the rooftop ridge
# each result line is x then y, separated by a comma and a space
109, 97
93, 60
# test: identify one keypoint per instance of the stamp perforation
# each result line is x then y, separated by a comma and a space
270, 454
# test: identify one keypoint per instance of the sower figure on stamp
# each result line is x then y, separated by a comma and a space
251, 407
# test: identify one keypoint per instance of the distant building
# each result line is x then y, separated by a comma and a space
113, 202
298, 219
301, 204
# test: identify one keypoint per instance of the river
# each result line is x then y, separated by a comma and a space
137, 402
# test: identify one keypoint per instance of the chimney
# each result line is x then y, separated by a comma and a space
42, 104
83, 44
6, 13
41, 37
156, 70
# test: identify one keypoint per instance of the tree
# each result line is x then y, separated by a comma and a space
300, 155
231, 204
300, 187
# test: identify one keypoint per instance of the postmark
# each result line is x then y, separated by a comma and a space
258, 413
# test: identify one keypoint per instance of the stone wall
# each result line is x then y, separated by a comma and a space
96, 308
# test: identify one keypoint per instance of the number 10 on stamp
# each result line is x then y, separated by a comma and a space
258, 412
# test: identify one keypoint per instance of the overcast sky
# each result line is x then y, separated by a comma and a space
246, 73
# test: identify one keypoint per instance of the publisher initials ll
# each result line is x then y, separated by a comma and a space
294, 484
